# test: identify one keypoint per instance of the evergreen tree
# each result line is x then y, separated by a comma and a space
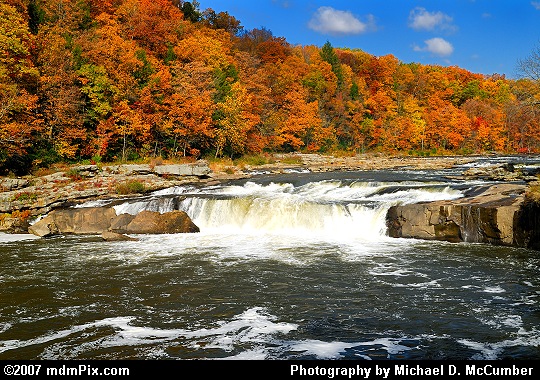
329, 55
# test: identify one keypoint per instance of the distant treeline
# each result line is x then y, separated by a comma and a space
128, 79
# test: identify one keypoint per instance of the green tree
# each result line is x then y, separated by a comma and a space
329, 55
191, 12
98, 89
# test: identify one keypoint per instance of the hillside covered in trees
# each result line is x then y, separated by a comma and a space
128, 79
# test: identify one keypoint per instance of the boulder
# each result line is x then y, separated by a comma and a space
113, 236
77, 221
153, 222
97, 220
198, 169
121, 222
497, 215
528, 220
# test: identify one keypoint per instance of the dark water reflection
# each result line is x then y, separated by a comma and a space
80, 298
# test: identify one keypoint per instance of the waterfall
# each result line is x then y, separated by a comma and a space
285, 215
471, 221
325, 208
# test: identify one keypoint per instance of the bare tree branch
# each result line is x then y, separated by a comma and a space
530, 66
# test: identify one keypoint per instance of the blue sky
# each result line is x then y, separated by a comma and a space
482, 36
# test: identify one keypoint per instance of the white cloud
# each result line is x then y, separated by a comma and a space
421, 19
536, 4
333, 21
437, 46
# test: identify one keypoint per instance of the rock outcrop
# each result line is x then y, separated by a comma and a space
100, 220
497, 215
503, 172
40, 195
114, 236
76, 221
152, 222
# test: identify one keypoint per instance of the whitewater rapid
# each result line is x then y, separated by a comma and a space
284, 267
326, 208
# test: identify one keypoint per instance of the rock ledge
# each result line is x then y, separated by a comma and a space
498, 215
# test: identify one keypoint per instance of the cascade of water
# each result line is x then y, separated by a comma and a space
286, 215
471, 221
329, 208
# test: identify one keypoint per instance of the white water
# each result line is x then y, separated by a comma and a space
279, 270
322, 209
4, 238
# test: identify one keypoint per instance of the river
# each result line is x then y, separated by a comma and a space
290, 266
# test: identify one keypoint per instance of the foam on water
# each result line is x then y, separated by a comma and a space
493, 351
7, 238
255, 331
493, 289
253, 326
326, 208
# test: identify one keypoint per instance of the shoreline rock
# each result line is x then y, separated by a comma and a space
102, 220
24, 199
498, 215
114, 236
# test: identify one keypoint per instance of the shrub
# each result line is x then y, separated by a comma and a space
24, 196
254, 160
130, 187
74, 174
292, 160
533, 193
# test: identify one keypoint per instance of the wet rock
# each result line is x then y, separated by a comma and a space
77, 221
498, 215
152, 222
121, 222
114, 236
97, 220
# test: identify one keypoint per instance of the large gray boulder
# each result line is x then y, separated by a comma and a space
198, 169
499, 215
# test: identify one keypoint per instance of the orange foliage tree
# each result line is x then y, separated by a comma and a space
136, 78
19, 117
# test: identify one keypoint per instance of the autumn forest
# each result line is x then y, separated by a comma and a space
128, 79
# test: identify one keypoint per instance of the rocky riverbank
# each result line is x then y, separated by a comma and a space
27, 198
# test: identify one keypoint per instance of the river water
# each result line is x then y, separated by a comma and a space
291, 266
